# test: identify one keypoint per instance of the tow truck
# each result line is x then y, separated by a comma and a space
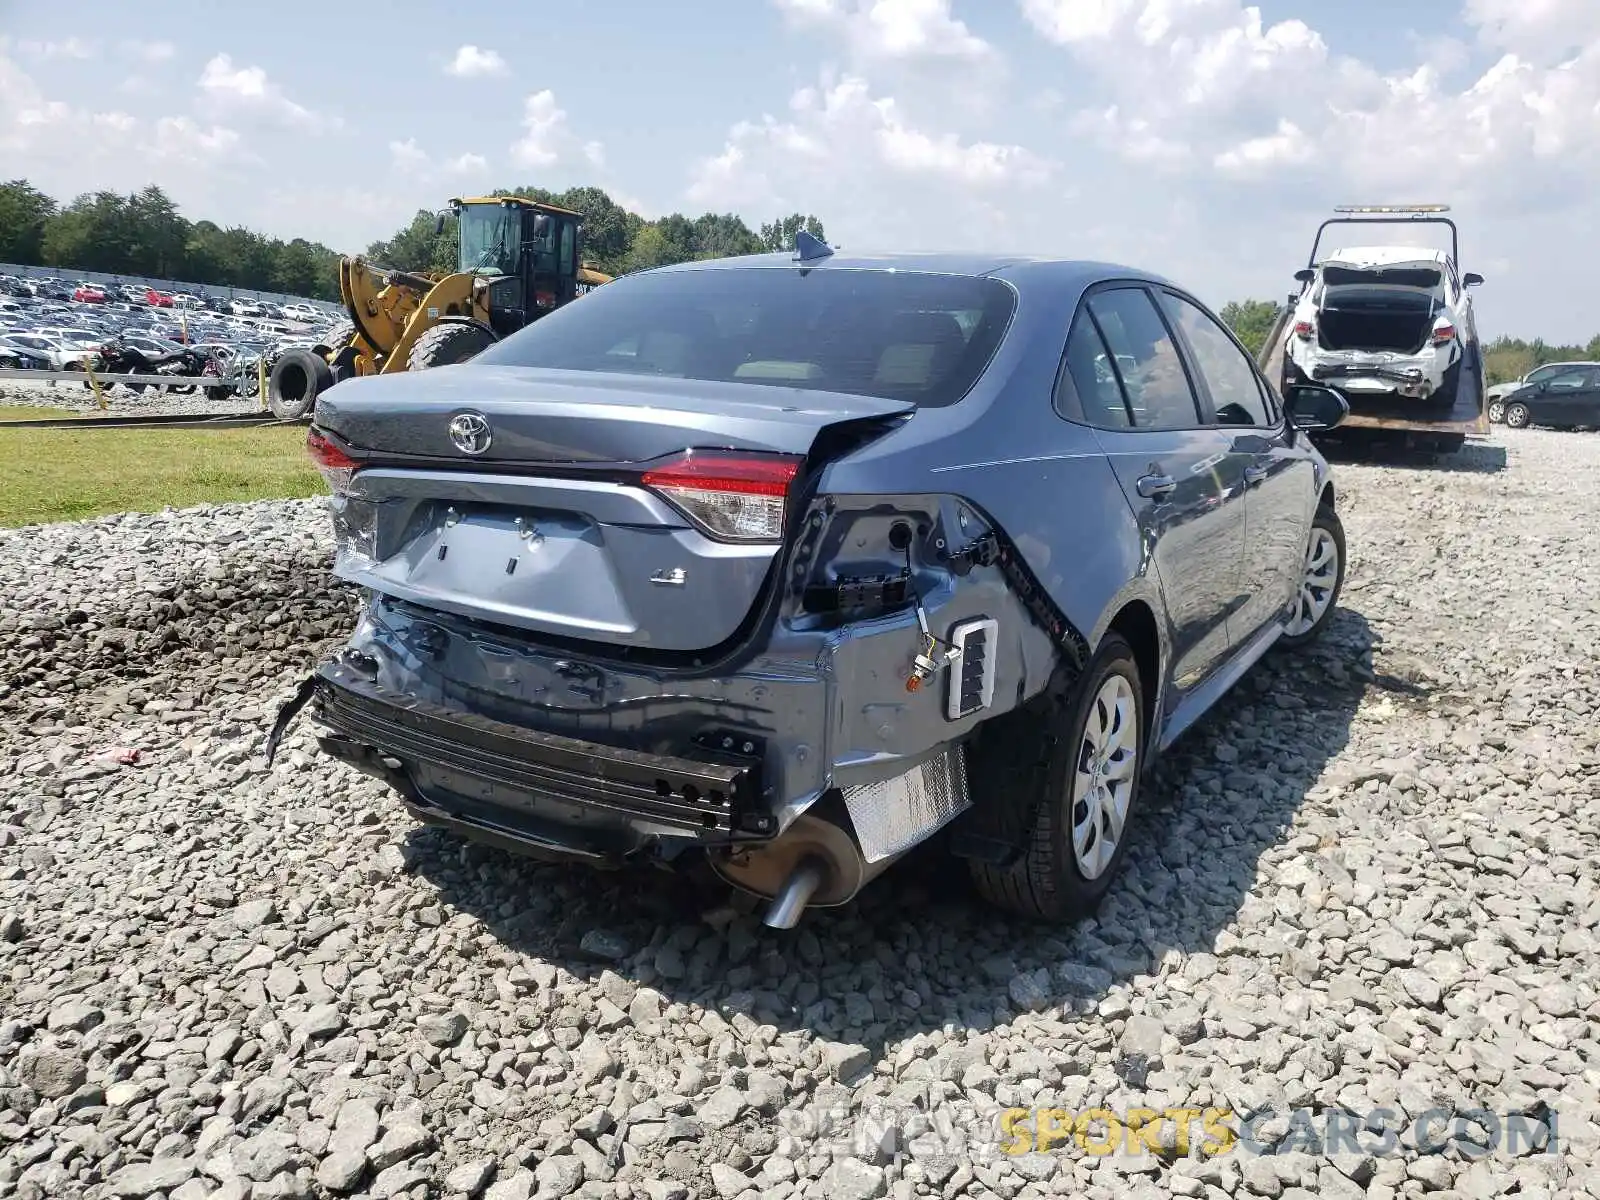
1456, 412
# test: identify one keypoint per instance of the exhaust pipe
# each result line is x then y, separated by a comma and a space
825, 857
795, 894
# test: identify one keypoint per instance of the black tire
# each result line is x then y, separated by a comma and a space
297, 378
443, 345
338, 338
1496, 411
1326, 520
1517, 416
1026, 762
219, 393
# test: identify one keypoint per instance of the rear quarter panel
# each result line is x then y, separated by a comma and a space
1041, 479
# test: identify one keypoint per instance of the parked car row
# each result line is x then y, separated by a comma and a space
124, 336
85, 292
1561, 395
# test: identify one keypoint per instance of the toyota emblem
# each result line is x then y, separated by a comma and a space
469, 432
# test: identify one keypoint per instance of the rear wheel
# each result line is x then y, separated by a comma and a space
1080, 782
443, 345
297, 378
1321, 580
338, 337
1517, 416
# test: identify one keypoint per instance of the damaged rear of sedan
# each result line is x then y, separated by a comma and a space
789, 562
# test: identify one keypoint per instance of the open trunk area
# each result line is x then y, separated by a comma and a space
1394, 319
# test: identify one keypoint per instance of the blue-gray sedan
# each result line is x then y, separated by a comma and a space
790, 561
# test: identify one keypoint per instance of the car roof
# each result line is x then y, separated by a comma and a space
1383, 256
1060, 271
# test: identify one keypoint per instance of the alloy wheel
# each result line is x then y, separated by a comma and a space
1516, 416
1102, 785
1317, 582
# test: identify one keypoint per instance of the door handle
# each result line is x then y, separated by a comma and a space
1151, 486
1254, 474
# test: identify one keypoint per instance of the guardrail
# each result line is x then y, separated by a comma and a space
98, 382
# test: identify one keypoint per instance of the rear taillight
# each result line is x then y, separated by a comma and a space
336, 466
1303, 330
1443, 334
738, 497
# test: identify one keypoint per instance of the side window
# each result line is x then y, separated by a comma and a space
1570, 381
1094, 377
1145, 360
1229, 374
567, 265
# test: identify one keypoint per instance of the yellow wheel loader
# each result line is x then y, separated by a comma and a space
516, 261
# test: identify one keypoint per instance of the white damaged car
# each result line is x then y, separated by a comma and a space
1382, 321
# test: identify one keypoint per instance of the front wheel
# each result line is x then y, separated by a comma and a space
443, 345
1321, 580
1497, 411
1517, 416
1080, 783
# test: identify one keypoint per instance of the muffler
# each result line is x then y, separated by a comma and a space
824, 861
815, 861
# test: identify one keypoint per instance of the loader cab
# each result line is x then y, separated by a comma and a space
527, 253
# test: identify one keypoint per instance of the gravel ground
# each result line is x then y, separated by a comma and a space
1367, 882
120, 401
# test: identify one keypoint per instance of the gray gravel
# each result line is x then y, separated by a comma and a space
120, 400
1367, 882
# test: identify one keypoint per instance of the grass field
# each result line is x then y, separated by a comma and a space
69, 474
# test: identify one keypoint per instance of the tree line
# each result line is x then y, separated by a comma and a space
144, 234
615, 240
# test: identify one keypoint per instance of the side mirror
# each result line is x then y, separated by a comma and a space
1306, 275
438, 224
1471, 279
1312, 407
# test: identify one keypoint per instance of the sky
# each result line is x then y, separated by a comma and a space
1203, 139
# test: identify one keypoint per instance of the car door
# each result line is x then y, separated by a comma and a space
1133, 387
1279, 473
1566, 397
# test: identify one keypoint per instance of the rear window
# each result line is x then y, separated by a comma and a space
1415, 277
908, 336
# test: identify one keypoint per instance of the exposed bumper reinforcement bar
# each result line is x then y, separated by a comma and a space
544, 791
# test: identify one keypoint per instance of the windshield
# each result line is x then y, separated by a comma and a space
903, 335
491, 237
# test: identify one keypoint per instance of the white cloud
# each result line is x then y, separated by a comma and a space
1553, 28
874, 174
1289, 146
547, 136
65, 147
248, 90
891, 29
66, 48
472, 63
151, 52
407, 154
411, 160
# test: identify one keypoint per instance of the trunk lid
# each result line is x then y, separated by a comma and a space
579, 417
587, 551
